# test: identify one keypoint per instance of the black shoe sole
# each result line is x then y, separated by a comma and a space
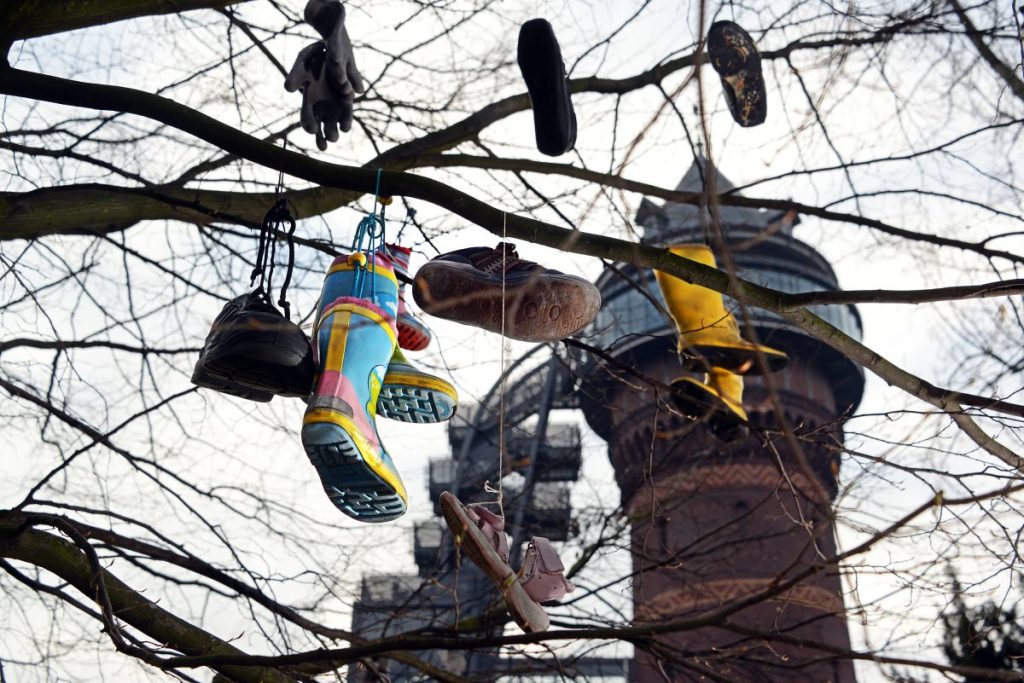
739, 66
202, 377
538, 307
540, 61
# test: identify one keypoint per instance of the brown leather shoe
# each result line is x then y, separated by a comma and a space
539, 304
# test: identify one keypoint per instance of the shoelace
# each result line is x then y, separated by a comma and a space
504, 254
278, 219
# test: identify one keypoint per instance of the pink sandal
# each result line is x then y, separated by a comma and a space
481, 534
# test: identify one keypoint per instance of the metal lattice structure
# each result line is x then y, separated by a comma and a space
542, 460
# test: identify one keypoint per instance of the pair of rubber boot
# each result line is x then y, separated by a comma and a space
709, 340
362, 373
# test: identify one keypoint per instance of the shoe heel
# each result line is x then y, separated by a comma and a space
365, 495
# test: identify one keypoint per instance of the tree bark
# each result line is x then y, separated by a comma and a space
67, 561
33, 18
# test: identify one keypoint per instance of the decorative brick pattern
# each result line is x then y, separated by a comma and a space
710, 595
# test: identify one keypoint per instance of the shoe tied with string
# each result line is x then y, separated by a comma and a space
254, 352
481, 286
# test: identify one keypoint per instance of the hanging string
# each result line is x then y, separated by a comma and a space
504, 374
277, 220
370, 236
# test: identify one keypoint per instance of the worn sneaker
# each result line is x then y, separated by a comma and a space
733, 55
254, 352
540, 61
539, 304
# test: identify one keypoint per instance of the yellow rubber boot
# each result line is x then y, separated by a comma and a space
708, 333
719, 399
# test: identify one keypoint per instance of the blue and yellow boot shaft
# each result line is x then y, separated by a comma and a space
354, 342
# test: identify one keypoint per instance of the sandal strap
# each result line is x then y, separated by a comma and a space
542, 573
493, 528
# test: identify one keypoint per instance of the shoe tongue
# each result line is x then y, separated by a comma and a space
503, 258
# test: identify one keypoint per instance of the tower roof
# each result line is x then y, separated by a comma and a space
674, 220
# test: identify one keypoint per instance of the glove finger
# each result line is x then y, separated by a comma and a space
306, 116
321, 144
297, 77
345, 114
338, 77
331, 124
355, 78
300, 74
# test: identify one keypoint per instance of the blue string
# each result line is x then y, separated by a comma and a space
370, 235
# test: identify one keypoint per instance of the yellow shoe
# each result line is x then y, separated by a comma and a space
719, 399
708, 333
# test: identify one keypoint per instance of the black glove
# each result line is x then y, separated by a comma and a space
324, 107
328, 18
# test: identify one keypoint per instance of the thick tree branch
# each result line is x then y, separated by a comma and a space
34, 18
67, 561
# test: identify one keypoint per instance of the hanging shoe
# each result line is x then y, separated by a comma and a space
254, 352
412, 395
481, 535
413, 333
355, 342
539, 304
540, 61
708, 333
718, 399
733, 55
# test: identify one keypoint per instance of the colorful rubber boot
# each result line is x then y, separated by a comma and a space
364, 276
355, 339
412, 395
719, 400
708, 333
413, 333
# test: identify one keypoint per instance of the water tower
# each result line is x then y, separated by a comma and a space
715, 524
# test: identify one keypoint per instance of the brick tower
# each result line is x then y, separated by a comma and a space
716, 524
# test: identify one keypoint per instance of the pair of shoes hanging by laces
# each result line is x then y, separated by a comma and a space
253, 351
709, 340
480, 534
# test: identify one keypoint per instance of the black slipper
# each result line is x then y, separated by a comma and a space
540, 61
733, 55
